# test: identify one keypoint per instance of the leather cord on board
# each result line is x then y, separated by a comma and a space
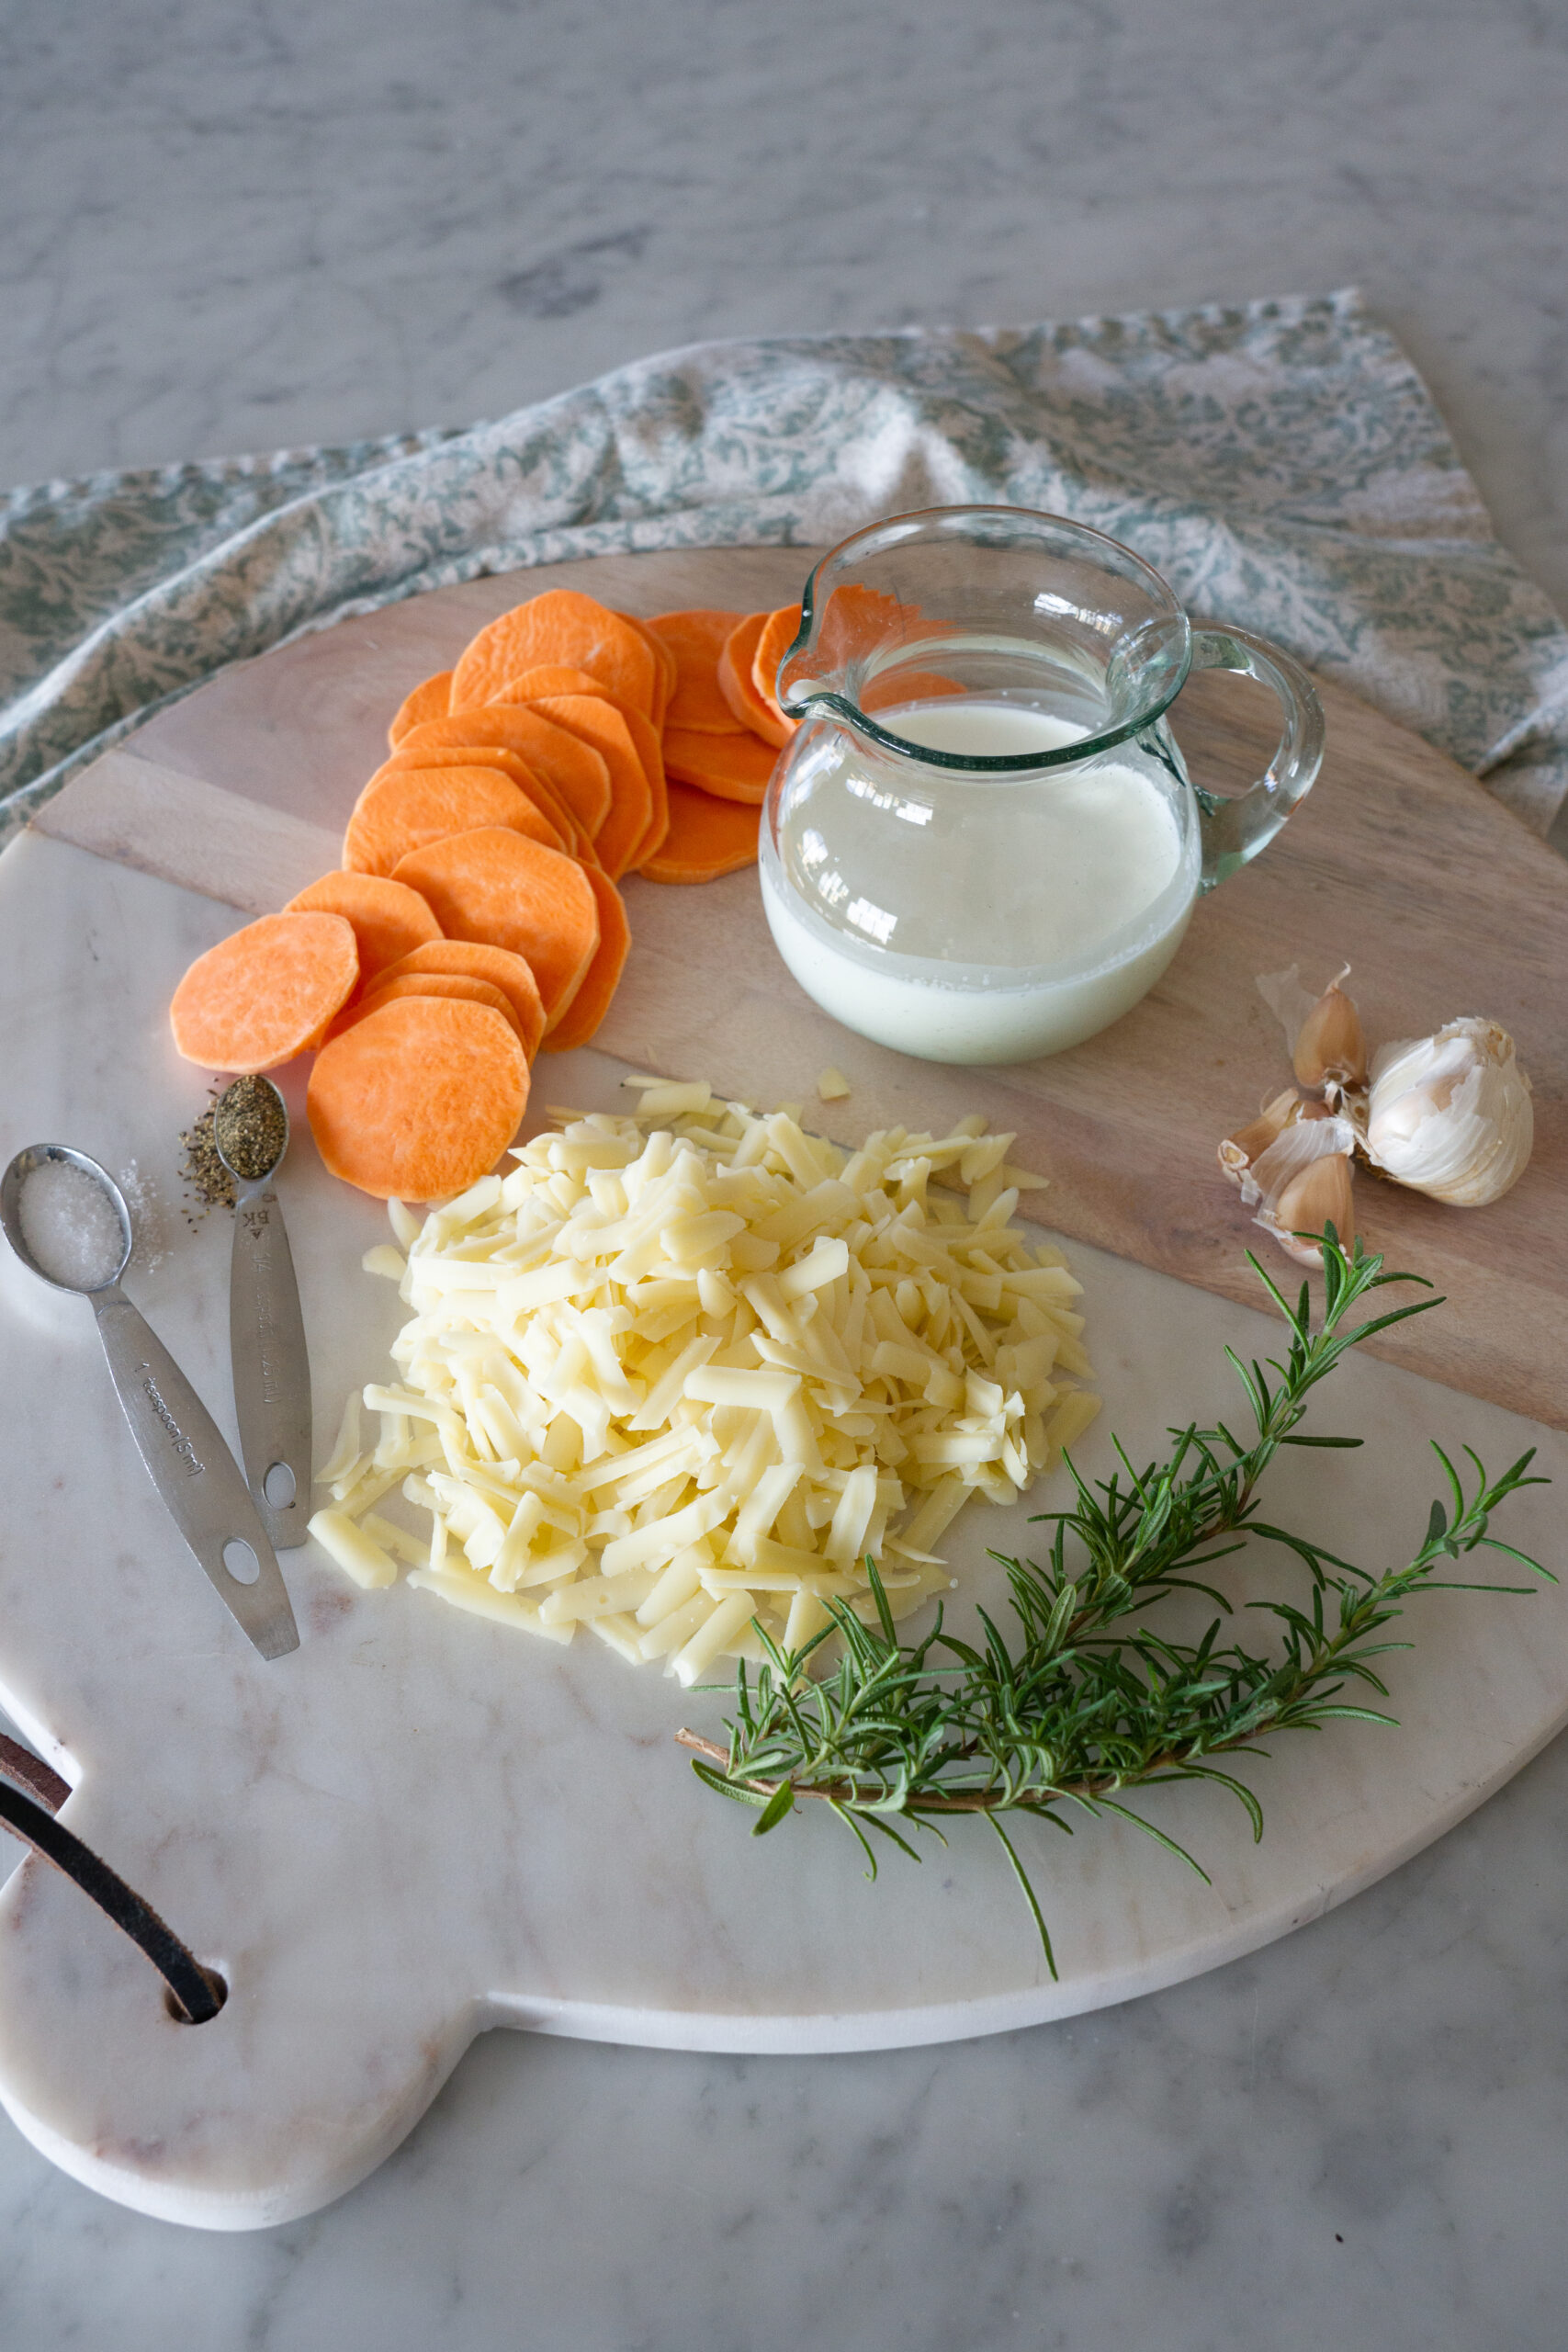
27, 1808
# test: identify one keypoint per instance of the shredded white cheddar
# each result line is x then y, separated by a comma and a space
678, 1373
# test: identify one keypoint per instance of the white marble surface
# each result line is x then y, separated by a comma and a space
233, 228
414, 1827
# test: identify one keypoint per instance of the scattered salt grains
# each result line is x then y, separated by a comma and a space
676, 1374
147, 1216
70, 1225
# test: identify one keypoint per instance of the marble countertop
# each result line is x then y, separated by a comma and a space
235, 227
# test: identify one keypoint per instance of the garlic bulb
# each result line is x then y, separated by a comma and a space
1450, 1114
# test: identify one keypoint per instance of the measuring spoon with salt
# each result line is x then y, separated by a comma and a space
266, 1331
67, 1221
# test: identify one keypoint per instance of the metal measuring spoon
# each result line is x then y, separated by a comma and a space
175, 1436
266, 1331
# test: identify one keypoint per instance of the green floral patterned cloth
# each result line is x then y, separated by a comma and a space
1281, 464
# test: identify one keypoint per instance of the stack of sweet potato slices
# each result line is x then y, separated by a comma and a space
477, 917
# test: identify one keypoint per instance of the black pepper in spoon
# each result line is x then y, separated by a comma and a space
266, 1331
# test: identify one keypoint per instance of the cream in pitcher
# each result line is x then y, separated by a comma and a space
982, 844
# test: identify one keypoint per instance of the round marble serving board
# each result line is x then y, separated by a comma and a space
419, 1826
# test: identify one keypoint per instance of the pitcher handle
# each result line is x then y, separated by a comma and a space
1235, 831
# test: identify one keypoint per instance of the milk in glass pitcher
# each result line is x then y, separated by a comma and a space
982, 843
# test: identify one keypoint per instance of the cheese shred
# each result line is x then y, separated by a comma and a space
678, 1373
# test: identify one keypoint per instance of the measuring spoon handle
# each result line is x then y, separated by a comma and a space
271, 1365
193, 1471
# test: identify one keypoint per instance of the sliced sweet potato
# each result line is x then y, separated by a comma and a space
592, 1002
695, 639
574, 772
431, 699
264, 993
387, 917
549, 678
560, 627
732, 767
418, 1099
599, 723
707, 837
509, 973
648, 744
664, 685
504, 890
411, 806
446, 984
738, 687
779, 632
493, 755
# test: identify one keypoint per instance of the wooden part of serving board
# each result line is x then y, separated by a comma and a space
1398, 864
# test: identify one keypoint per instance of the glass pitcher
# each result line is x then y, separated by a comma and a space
981, 843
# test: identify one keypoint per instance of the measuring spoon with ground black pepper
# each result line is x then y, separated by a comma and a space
266, 1331
66, 1219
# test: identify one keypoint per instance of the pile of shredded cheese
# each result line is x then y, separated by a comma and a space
683, 1371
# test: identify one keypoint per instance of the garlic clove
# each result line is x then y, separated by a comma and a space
1283, 1183
1238, 1152
1331, 1045
1316, 1195
1450, 1114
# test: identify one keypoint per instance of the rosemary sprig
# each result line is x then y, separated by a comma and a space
1087, 1700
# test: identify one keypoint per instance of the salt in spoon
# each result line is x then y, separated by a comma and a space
81, 1241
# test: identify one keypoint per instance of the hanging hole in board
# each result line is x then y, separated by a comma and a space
240, 1561
279, 1485
177, 2009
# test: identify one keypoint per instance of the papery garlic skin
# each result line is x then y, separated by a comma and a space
1239, 1152
1450, 1114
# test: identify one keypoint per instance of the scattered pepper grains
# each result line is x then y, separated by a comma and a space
206, 1178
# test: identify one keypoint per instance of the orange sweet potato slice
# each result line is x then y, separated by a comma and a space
493, 755
707, 837
592, 1002
264, 993
696, 638
431, 699
624, 825
574, 772
738, 687
647, 742
503, 969
779, 632
387, 917
409, 807
504, 890
418, 1099
446, 984
560, 627
732, 767
549, 678
664, 684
